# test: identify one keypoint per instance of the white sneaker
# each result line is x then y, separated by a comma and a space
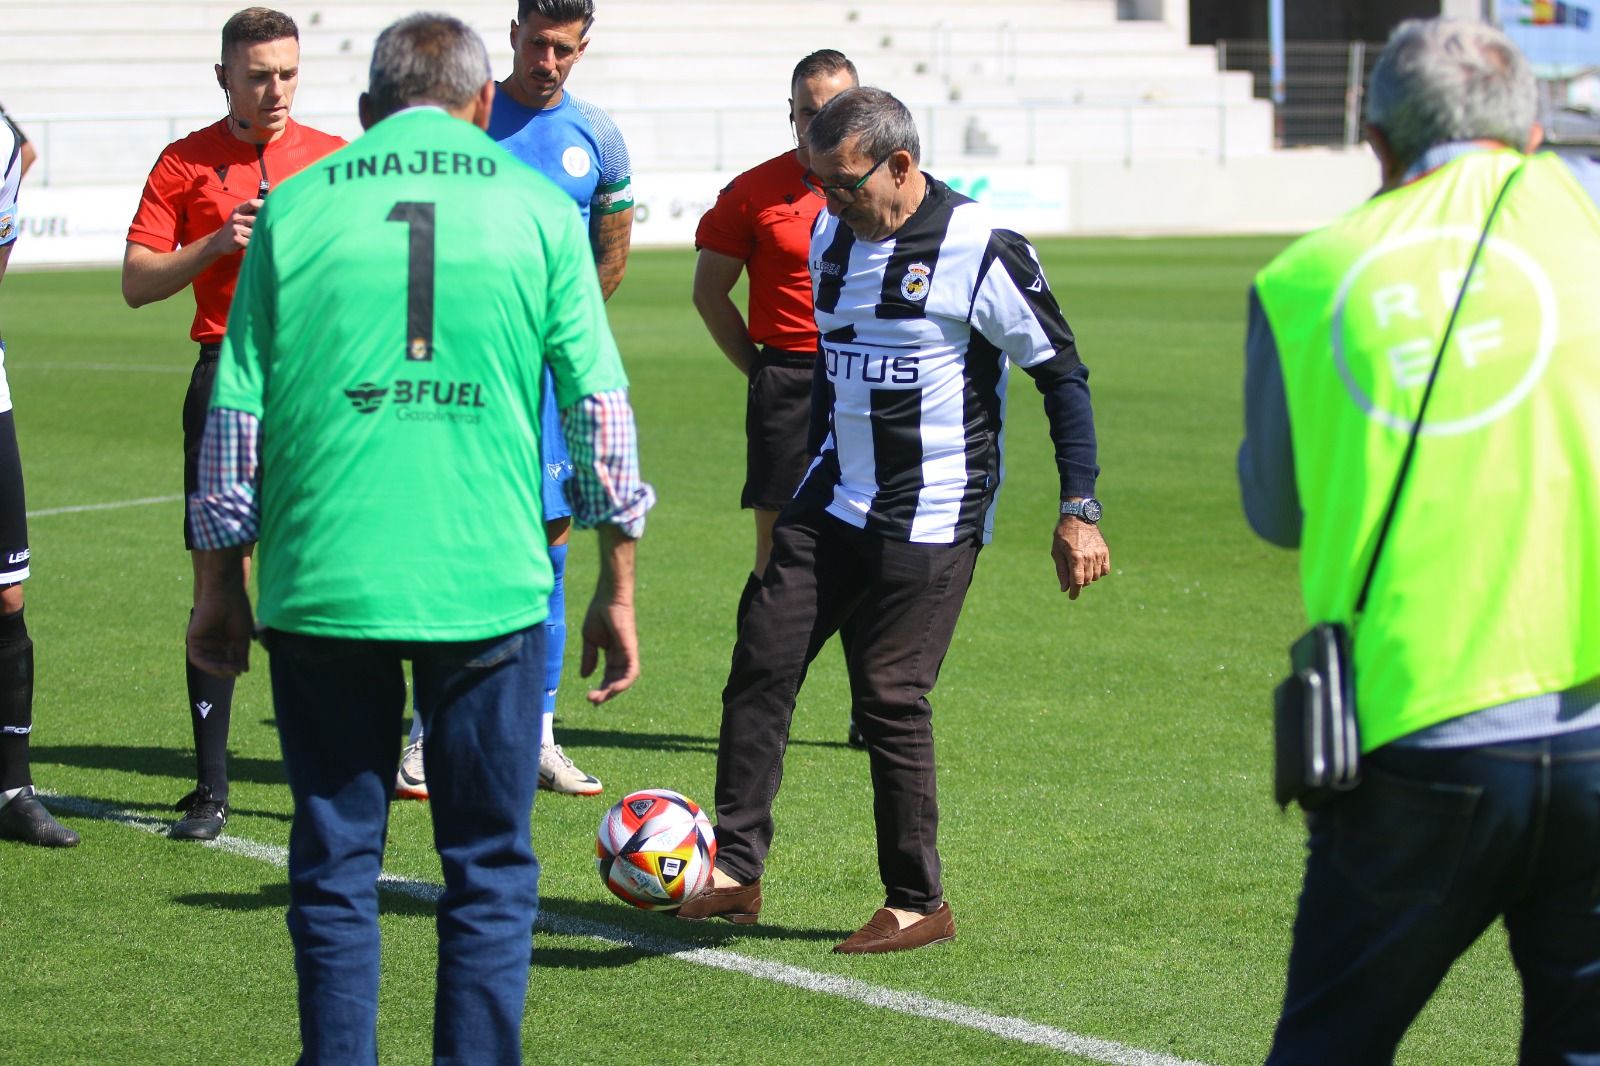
558, 774
410, 783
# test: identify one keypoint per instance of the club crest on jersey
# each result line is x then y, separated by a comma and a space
575, 161
914, 286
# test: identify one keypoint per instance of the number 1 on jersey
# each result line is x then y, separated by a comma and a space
419, 278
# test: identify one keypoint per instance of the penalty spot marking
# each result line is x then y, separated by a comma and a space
115, 505
1016, 1029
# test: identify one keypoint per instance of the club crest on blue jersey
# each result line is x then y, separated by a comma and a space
575, 161
914, 286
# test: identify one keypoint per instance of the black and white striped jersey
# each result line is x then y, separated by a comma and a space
10, 180
918, 333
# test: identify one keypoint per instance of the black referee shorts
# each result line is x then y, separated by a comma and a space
777, 414
195, 404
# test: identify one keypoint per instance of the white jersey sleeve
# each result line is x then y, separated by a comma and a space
10, 179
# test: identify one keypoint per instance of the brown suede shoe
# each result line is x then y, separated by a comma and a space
883, 933
737, 903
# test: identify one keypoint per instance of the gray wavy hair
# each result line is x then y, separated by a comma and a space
882, 122
426, 58
1442, 80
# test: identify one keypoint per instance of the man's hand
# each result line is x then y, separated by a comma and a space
1081, 555
234, 234
221, 626
609, 626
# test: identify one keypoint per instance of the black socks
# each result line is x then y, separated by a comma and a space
16, 701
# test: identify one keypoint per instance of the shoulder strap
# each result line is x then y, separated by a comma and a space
1427, 393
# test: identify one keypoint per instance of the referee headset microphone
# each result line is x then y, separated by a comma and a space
244, 124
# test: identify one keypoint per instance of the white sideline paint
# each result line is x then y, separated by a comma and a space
1015, 1029
116, 505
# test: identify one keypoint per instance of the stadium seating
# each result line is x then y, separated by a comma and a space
696, 85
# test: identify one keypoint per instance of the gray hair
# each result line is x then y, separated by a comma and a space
882, 123
1442, 80
426, 58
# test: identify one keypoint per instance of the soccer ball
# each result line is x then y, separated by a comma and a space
655, 849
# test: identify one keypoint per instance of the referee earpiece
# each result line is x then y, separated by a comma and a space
222, 83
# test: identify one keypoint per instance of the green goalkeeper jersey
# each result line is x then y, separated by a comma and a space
395, 310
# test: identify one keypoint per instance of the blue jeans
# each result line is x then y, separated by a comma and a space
339, 705
1410, 868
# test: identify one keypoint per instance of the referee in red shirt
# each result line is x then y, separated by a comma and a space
191, 228
762, 223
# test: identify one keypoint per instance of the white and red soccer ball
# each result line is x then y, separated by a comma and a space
655, 849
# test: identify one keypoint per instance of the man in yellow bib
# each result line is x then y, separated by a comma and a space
1477, 655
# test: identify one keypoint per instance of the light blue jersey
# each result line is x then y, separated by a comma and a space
577, 146
574, 144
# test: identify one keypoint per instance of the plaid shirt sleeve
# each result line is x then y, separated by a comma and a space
604, 446
225, 510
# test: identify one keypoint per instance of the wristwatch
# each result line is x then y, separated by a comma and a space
1087, 509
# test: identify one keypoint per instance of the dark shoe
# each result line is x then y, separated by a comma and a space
25, 819
883, 933
854, 738
737, 903
203, 816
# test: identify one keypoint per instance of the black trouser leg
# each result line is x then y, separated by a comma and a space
899, 636
812, 580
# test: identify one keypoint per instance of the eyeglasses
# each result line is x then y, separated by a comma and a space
847, 192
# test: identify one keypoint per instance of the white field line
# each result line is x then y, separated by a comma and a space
115, 505
1015, 1029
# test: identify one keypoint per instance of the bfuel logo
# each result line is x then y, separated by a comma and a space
421, 400
366, 397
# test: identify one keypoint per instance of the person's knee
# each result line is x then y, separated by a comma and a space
10, 599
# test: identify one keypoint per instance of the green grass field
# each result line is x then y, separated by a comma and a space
1111, 850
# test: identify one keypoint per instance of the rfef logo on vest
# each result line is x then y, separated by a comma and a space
1394, 299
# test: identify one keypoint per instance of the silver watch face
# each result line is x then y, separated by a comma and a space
1087, 508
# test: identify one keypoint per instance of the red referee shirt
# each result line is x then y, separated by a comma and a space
764, 218
193, 188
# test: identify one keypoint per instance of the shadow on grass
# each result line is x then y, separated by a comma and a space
162, 762
166, 811
624, 936
274, 895
576, 737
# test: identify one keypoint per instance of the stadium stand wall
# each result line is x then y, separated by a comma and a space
1058, 100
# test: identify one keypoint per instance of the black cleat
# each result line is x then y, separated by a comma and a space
25, 819
854, 737
203, 816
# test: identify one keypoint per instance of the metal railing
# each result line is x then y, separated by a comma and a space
119, 148
1323, 83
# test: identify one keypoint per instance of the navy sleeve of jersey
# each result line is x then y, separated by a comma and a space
1015, 310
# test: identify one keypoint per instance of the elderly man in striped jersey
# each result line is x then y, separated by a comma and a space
922, 305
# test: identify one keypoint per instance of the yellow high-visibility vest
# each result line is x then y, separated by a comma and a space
1488, 588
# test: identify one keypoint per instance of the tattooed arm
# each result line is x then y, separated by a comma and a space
611, 236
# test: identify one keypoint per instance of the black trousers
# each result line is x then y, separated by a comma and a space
902, 600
